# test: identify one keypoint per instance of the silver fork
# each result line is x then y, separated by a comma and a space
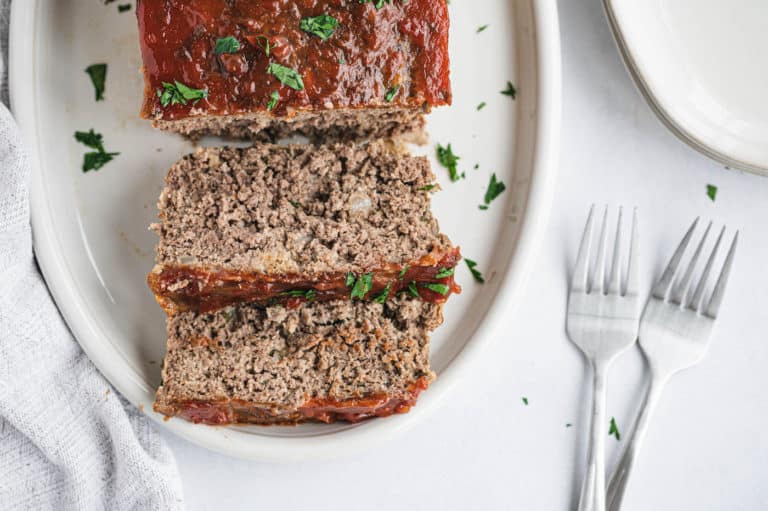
602, 321
674, 334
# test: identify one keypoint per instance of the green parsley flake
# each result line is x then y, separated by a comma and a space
475, 272
273, 99
614, 430
123, 7
322, 26
177, 93
227, 44
481, 28
481, 106
287, 76
712, 192
495, 188
427, 188
98, 74
391, 93
438, 288
362, 286
94, 160
448, 160
445, 272
263, 42
510, 91
307, 294
403, 271
413, 289
525, 401
350, 279
384, 294
90, 139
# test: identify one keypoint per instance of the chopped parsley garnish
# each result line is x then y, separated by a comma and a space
341, 61
322, 26
350, 279
510, 90
427, 188
413, 289
403, 271
477, 166
445, 272
495, 188
94, 160
363, 285
438, 288
90, 139
98, 74
263, 42
294, 203
475, 272
308, 294
448, 160
273, 99
123, 7
481, 106
614, 430
177, 93
568, 425
391, 93
712, 192
227, 44
481, 28
384, 294
525, 401
287, 76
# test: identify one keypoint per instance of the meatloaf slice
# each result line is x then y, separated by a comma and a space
319, 362
288, 224
264, 69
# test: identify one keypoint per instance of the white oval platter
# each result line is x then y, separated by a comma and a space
90, 230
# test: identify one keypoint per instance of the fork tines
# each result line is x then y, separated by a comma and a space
580, 282
676, 290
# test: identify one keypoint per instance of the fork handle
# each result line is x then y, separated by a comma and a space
593, 487
620, 477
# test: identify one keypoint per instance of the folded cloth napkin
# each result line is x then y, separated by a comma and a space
67, 439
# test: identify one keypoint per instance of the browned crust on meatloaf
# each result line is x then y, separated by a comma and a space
297, 209
275, 362
403, 124
374, 76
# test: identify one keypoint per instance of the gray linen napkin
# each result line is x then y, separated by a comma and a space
67, 439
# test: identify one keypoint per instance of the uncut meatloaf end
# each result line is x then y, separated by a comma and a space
333, 361
273, 223
375, 75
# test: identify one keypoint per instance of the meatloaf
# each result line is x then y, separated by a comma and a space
324, 362
286, 224
265, 69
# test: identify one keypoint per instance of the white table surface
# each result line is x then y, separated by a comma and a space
707, 448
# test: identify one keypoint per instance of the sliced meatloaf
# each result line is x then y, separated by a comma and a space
264, 69
319, 362
287, 224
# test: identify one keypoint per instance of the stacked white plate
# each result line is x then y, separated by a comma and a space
701, 65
